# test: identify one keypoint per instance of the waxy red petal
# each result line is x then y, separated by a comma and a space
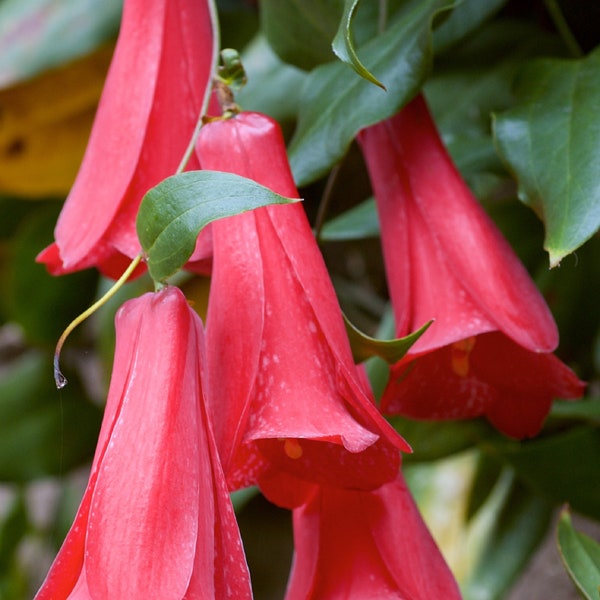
280, 369
366, 545
149, 107
156, 519
444, 257
142, 540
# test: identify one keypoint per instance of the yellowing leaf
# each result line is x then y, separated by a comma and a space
45, 124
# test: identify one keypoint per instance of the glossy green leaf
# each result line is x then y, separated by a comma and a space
550, 141
581, 557
42, 432
300, 31
343, 43
358, 223
517, 525
364, 346
336, 105
38, 34
173, 213
273, 86
554, 466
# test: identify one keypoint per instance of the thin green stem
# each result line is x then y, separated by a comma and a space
325, 200
563, 28
59, 378
214, 18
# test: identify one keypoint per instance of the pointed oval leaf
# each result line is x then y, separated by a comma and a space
174, 212
580, 555
336, 105
550, 140
343, 44
391, 351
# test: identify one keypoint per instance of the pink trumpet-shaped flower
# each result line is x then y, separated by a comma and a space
489, 350
148, 111
288, 404
356, 545
155, 520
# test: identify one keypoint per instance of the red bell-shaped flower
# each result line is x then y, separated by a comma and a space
489, 350
288, 406
148, 111
354, 545
155, 520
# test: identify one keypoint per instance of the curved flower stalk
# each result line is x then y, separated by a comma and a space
354, 545
288, 406
155, 520
149, 108
489, 351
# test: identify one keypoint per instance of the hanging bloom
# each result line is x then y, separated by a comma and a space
148, 111
356, 545
288, 406
155, 520
489, 349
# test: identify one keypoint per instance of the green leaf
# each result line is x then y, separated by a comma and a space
463, 20
173, 213
391, 351
487, 473
432, 440
300, 31
581, 557
358, 223
62, 297
553, 466
550, 141
517, 524
273, 86
343, 44
42, 432
336, 105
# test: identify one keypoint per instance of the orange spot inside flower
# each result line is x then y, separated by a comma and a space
459, 355
292, 448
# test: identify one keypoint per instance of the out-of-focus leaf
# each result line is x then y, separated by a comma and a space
518, 525
550, 140
301, 31
467, 16
56, 301
581, 557
583, 410
273, 86
42, 432
45, 124
336, 104
431, 440
38, 34
13, 527
173, 213
343, 43
487, 473
358, 223
562, 467
364, 346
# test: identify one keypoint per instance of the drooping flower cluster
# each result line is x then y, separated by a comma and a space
270, 396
